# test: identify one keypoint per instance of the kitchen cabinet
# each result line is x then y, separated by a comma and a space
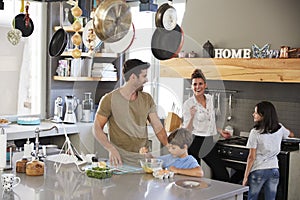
235, 69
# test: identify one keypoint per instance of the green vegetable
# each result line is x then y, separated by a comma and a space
99, 173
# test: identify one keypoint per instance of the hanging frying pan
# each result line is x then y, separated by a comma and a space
59, 39
167, 44
23, 22
166, 16
112, 20
58, 43
123, 44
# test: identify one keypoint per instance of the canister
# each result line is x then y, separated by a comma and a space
21, 165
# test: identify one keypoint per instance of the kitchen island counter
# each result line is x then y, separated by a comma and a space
70, 183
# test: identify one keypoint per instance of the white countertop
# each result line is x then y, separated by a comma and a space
69, 183
15, 131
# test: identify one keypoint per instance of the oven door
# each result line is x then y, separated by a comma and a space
236, 158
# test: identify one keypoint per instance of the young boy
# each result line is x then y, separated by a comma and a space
178, 161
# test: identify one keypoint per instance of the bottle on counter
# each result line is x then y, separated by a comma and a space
3, 146
28, 148
87, 108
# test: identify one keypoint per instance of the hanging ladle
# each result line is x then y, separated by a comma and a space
218, 111
229, 107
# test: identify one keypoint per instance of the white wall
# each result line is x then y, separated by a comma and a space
240, 23
10, 63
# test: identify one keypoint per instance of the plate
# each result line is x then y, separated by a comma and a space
4, 122
28, 121
191, 184
86, 29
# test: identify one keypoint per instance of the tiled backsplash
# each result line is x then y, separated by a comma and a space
242, 120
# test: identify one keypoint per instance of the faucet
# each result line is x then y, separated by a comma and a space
37, 138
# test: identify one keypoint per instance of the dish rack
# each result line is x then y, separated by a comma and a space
67, 155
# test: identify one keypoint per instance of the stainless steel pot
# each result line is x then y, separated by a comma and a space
112, 20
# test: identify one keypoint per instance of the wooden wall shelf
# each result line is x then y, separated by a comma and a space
85, 54
67, 29
235, 69
61, 78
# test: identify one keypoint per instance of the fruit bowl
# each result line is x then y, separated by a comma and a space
150, 165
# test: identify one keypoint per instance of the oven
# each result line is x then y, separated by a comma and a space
234, 152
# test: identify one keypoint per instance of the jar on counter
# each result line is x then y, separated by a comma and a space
192, 54
87, 108
21, 165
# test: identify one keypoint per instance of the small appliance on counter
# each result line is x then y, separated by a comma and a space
71, 104
58, 110
87, 108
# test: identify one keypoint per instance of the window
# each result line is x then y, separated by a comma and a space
23, 66
165, 95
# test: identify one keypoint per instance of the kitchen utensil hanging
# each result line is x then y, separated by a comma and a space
76, 38
218, 110
14, 35
167, 44
89, 37
229, 107
59, 39
112, 20
166, 16
23, 22
123, 44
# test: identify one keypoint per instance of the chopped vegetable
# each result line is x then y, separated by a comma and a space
99, 173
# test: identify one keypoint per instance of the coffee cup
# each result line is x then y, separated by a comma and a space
9, 181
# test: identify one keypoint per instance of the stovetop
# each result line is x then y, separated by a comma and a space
290, 144
238, 141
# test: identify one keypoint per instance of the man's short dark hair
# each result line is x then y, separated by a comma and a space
134, 66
